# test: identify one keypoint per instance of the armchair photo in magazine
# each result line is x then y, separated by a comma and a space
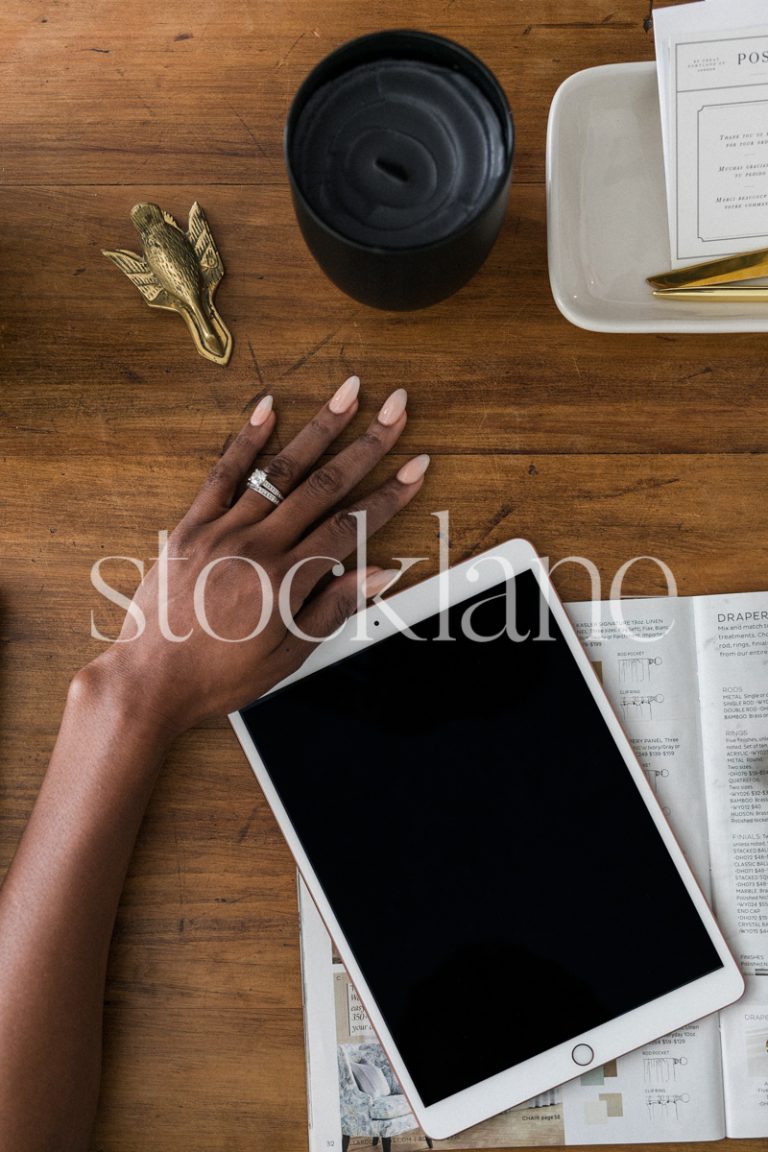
688, 679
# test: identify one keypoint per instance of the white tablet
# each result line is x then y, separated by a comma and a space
482, 844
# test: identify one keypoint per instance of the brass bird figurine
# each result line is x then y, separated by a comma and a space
179, 271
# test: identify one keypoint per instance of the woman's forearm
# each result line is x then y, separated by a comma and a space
58, 903
57, 910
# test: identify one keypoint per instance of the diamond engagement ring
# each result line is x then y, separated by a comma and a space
257, 482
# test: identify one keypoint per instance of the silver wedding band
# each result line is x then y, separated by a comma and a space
257, 482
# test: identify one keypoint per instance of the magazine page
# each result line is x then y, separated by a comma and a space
644, 652
324, 1119
669, 1090
732, 635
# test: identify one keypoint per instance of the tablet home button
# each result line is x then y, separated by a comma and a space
583, 1054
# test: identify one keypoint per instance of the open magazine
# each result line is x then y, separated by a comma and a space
688, 677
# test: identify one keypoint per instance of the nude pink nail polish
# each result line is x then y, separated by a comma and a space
376, 582
344, 398
261, 411
414, 469
393, 407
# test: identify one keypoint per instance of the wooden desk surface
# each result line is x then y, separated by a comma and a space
606, 446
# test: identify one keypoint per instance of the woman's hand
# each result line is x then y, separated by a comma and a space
240, 596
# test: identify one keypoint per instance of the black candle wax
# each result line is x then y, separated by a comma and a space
398, 153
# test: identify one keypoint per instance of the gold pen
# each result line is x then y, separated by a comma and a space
712, 280
742, 293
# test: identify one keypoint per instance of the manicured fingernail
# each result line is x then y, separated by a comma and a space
343, 400
413, 470
393, 407
376, 582
261, 411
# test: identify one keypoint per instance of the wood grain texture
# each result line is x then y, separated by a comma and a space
607, 447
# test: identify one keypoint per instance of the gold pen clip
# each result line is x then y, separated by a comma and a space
713, 279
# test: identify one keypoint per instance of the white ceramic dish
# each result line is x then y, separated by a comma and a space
606, 210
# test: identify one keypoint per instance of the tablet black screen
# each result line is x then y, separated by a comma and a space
480, 839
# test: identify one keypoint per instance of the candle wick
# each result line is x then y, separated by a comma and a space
392, 168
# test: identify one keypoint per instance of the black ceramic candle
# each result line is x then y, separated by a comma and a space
399, 149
